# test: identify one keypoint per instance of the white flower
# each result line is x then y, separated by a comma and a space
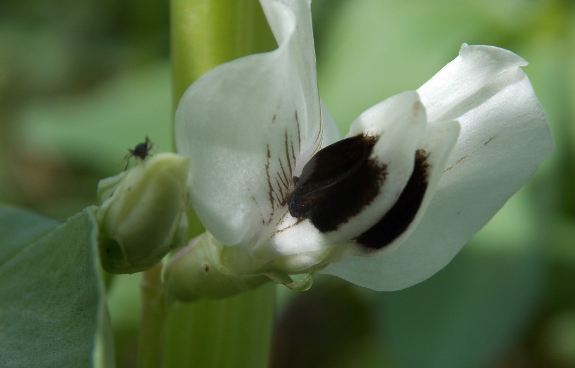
388, 206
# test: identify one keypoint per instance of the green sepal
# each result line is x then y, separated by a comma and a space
279, 277
206, 268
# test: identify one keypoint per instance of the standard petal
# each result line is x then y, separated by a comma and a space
248, 124
298, 39
504, 137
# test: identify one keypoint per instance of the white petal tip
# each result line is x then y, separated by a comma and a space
492, 53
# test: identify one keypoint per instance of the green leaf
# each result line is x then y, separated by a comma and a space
18, 228
52, 308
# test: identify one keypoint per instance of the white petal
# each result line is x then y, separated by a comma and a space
504, 137
331, 131
458, 81
249, 123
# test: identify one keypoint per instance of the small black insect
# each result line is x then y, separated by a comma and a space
141, 151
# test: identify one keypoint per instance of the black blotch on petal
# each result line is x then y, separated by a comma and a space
336, 183
398, 218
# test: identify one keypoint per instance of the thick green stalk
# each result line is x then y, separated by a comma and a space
233, 332
206, 33
228, 333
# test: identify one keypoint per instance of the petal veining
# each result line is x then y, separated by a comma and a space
348, 186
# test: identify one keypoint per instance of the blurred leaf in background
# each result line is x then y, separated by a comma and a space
81, 82
78, 80
473, 310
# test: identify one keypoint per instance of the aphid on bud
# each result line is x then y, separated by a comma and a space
141, 151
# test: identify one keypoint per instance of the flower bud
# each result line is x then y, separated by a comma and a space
142, 215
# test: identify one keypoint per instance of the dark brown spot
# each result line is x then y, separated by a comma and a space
298, 130
336, 183
290, 226
206, 268
288, 156
398, 218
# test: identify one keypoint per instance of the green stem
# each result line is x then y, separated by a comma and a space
153, 317
206, 33
233, 332
228, 333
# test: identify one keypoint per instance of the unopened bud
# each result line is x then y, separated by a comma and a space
142, 215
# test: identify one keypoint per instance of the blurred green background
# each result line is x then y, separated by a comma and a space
81, 81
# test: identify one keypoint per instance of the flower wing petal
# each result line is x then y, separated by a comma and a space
397, 223
348, 186
248, 123
445, 94
504, 137
398, 123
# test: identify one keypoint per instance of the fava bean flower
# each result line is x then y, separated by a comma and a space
385, 207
